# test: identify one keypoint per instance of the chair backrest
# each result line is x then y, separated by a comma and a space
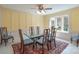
53, 33
52, 29
46, 34
4, 32
37, 30
31, 30
46, 31
22, 41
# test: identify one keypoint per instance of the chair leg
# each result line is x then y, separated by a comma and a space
5, 42
77, 43
1, 41
42, 49
55, 43
12, 39
50, 45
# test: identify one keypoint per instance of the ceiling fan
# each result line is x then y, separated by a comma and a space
42, 8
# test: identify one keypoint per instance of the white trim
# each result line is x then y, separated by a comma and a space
62, 19
68, 21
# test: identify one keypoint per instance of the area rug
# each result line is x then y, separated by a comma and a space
60, 46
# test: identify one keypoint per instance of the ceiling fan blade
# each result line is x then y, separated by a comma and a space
48, 8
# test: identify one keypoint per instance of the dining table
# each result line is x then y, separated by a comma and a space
34, 37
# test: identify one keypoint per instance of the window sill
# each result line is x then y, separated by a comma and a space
63, 31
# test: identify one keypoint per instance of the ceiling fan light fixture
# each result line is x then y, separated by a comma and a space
42, 11
38, 12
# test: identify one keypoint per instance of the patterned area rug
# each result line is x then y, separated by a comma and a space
60, 46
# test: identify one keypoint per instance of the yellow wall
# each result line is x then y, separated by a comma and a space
37, 20
22, 20
7, 17
14, 20
73, 18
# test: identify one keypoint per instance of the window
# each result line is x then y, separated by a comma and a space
60, 23
65, 23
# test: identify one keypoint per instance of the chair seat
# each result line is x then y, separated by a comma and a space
17, 49
7, 37
75, 37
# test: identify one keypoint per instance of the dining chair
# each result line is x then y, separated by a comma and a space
22, 42
37, 30
31, 30
25, 41
47, 36
52, 28
5, 36
75, 37
44, 41
52, 37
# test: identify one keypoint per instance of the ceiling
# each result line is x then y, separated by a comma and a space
28, 7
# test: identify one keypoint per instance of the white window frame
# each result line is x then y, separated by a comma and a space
62, 19
68, 23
